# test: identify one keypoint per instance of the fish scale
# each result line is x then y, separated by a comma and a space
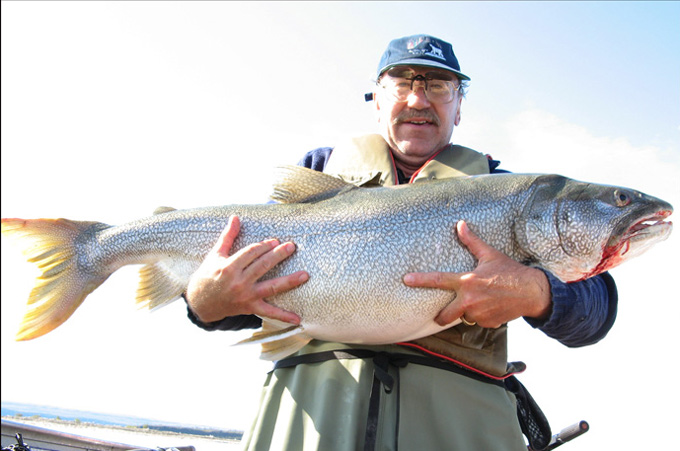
356, 244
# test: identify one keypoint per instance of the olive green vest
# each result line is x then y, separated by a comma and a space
367, 160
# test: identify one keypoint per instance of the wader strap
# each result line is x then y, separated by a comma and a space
381, 363
381, 376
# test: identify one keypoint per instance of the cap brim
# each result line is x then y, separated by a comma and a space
424, 62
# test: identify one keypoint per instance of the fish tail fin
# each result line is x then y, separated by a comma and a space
278, 339
62, 286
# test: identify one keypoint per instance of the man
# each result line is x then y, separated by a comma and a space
333, 396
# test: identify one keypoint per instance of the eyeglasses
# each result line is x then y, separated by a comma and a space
437, 90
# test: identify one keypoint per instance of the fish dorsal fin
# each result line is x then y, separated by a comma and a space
278, 339
295, 184
161, 210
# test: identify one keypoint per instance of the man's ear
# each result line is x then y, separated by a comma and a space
377, 105
456, 121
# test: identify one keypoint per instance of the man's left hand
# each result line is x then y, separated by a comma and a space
497, 291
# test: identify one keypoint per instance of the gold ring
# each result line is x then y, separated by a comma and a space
466, 322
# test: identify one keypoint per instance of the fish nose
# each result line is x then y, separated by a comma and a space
660, 204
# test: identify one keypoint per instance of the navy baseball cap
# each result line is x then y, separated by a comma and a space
420, 50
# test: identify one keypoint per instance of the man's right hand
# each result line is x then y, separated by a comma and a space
228, 285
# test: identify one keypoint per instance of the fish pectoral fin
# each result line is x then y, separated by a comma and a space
162, 282
278, 339
296, 184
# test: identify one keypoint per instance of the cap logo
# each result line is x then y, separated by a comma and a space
413, 43
435, 51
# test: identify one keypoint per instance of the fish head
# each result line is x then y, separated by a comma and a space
577, 230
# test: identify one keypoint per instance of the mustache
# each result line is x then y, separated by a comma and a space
407, 115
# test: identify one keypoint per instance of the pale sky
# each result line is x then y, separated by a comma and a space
111, 109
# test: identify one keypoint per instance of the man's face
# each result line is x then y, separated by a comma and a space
417, 128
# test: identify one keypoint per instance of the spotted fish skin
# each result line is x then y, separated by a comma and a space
356, 244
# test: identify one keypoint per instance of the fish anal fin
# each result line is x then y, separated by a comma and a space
161, 283
296, 184
278, 339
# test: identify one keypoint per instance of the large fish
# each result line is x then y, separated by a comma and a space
356, 244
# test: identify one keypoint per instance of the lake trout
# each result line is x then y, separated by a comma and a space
356, 244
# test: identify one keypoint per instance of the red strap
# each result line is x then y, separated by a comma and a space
467, 367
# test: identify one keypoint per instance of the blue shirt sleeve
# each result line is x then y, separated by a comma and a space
316, 159
582, 312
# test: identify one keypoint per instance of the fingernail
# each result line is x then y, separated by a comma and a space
303, 277
409, 278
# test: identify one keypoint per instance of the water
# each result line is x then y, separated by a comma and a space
28, 411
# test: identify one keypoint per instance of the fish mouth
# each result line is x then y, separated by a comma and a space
653, 224
640, 236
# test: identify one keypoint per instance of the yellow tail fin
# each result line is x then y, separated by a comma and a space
62, 287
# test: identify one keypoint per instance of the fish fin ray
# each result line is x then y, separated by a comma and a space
61, 287
280, 349
296, 184
161, 283
278, 339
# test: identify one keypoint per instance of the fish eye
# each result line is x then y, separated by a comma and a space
622, 198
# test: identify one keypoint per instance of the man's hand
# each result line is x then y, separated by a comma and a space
227, 285
497, 291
